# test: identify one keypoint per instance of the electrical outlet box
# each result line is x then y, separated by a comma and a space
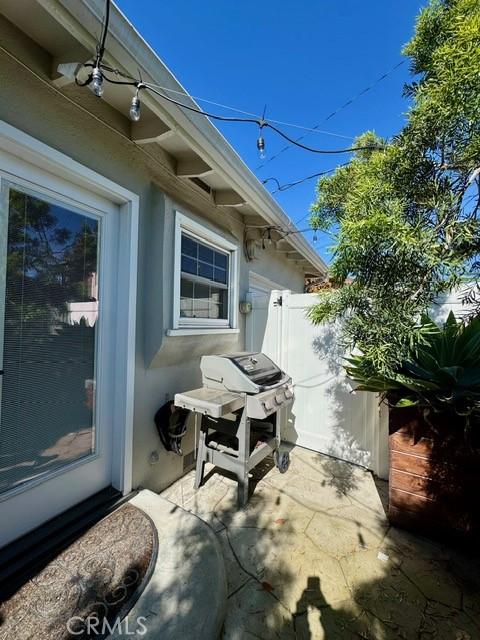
245, 306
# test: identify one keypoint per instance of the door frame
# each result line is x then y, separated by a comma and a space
258, 284
261, 283
83, 180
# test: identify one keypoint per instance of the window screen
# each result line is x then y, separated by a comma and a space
204, 280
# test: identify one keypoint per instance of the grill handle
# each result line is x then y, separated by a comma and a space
280, 383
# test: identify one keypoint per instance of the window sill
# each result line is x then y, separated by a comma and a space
202, 331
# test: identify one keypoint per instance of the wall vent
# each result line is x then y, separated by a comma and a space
200, 183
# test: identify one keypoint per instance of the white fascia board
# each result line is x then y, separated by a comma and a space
128, 50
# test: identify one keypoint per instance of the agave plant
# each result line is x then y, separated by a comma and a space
441, 377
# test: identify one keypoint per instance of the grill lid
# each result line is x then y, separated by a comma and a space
248, 372
257, 366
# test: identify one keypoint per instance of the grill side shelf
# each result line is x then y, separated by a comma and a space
210, 402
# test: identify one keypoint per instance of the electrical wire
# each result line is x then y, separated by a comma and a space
121, 135
257, 121
260, 122
334, 113
138, 84
301, 219
103, 37
74, 103
255, 116
290, 185
277, 182
250, 113
291, 233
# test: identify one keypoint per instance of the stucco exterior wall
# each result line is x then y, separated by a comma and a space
164, 365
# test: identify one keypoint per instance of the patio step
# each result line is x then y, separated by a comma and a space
23, 558
186, 596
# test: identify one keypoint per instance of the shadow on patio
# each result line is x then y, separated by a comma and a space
312, 556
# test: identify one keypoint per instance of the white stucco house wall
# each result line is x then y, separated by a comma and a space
141, 188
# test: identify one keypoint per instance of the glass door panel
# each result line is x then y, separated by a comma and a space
49, 312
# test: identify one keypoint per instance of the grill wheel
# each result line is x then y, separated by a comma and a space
282, 460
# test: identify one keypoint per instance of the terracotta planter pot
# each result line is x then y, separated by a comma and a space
434, 485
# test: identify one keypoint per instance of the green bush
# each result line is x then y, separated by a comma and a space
441, 377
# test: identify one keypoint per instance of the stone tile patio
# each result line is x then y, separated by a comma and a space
312, 556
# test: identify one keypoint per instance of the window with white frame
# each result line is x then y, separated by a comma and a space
205, 277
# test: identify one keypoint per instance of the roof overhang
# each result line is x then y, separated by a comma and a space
200, 150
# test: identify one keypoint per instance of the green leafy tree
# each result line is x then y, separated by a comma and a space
48, 264
405, 216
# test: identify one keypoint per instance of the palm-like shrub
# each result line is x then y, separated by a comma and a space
441, 377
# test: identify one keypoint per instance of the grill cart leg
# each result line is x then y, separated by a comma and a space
281, 458
201, 455
242, 490
243, 435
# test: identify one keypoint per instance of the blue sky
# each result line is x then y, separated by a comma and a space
303, 59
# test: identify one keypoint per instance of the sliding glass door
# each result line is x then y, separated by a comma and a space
49, 308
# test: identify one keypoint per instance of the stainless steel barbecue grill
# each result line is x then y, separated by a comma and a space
239, 402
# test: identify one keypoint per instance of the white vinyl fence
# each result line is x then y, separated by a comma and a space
327, 415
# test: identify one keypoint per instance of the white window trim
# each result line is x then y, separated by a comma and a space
197, 326
201, 331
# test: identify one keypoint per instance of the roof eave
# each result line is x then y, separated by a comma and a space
127, 48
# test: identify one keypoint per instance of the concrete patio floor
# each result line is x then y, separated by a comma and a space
312, 555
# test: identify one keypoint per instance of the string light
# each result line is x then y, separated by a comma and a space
334, 113
97, 82
135, 107
261, 147
260, 140
250, 113
259, 122
266, 235
100, 73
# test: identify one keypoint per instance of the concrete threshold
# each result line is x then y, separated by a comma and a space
186, 596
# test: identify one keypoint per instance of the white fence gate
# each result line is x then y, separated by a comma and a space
327, 415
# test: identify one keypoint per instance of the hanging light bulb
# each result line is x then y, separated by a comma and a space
314, 237
260, 140
135, 108
261, 147
97, 82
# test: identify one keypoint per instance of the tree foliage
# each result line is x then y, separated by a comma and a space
406, 217
50, 258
